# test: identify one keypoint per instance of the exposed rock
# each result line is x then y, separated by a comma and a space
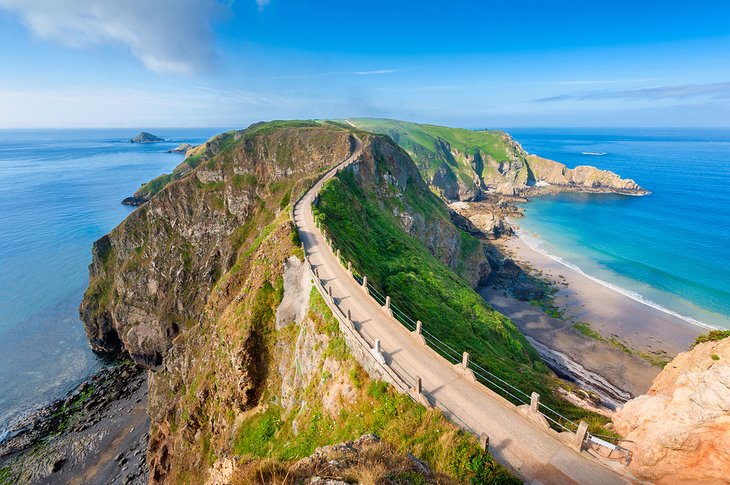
134, 201
97, 434
582, 177
360, 459
679, 432
144, 137
182, 148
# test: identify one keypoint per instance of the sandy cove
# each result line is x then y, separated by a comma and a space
598, 365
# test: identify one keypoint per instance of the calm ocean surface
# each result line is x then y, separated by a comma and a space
670, 249
60, 190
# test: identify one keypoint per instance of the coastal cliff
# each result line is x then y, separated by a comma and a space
204, 285
679, 432
151, 277
470, 165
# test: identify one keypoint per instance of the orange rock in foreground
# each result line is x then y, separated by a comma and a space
679, 432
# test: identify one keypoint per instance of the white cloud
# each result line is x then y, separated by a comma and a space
166, 35
678, 91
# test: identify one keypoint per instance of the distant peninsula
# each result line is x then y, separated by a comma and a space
144, 137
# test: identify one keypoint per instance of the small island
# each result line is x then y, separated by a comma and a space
144, 137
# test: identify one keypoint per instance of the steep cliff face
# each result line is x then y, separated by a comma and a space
467, 165
679, 432
151, 276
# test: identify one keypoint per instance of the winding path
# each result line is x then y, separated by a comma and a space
536, 455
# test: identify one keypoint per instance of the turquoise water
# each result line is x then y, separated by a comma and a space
670, 249
60, 190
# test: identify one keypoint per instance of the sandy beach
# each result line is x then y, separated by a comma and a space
639, 327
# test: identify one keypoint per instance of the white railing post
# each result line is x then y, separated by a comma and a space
534, 402
484, 441
418, 333
386, 306
580, 435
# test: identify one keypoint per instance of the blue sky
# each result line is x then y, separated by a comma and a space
139, 63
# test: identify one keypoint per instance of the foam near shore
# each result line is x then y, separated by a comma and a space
534, 245
618, 314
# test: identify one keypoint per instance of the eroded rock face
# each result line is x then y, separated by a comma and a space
152, 275
679, 432
580, 177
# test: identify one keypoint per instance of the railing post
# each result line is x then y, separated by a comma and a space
534, 402
418, 333
484, 441
386, 307
580, 435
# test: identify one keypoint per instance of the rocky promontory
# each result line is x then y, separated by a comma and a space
144, 137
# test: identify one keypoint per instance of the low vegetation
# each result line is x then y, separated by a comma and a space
712, 336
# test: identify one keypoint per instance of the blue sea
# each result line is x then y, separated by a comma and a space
671, 249
60, 190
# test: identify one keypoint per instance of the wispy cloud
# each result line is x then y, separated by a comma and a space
680, 91
374, 72
165, 35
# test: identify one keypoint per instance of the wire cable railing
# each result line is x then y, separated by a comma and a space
486, 377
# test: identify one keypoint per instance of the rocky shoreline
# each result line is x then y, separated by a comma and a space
98, 433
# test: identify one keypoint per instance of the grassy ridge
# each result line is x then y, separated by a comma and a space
422, 143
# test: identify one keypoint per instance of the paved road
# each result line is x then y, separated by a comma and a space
536, 455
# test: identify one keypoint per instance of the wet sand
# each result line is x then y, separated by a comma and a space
610, 313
